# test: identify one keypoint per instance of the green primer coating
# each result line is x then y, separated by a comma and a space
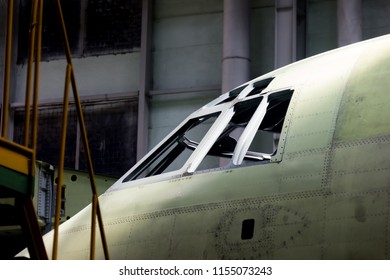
16, 182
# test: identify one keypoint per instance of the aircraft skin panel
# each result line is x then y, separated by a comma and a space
364, 111
293, 222
359, 167
296, 230
325, 194
350, 222
293, 178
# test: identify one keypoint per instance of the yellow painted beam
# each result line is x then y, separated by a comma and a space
14, 156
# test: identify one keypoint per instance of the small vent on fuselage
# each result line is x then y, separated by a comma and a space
247, 230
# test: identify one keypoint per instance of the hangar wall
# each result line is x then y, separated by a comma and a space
184, 61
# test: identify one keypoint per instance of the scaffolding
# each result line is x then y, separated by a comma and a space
17, 162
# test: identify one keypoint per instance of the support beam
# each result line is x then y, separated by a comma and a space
30, 228
349, 22
236, 40
144, 81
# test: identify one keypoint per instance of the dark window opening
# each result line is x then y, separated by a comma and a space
227, 141
233, 94
113, 26
259, 86
94, 27
247, 230
237, 91
266, 139
276, 111
174, 152
52, 42
262, 142
225, 145
111, 129
250, 136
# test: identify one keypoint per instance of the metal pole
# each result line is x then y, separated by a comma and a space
82, 129
7, 70
34, 132
31, 51
93, 226
61, 161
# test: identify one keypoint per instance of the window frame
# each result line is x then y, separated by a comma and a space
226, 112
198, 154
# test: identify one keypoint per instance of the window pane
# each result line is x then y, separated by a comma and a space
112, 136
262, 142
267, 136
172, 154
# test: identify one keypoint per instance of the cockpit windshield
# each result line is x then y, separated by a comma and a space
239, 128
176, 150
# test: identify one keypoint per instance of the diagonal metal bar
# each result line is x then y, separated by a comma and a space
31, 51
38, 43
7, 70
31, 228
84, 137
61, 161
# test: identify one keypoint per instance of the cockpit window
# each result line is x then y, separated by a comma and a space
252, 135
174, 152
259, 86
238, 129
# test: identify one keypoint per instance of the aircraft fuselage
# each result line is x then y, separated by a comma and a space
319, 190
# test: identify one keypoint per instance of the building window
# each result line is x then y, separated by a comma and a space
111, 129
94, 27
112, 26
52, 43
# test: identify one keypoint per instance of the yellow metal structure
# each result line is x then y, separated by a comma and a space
17, 166
16, 161
96, 213
15, 157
